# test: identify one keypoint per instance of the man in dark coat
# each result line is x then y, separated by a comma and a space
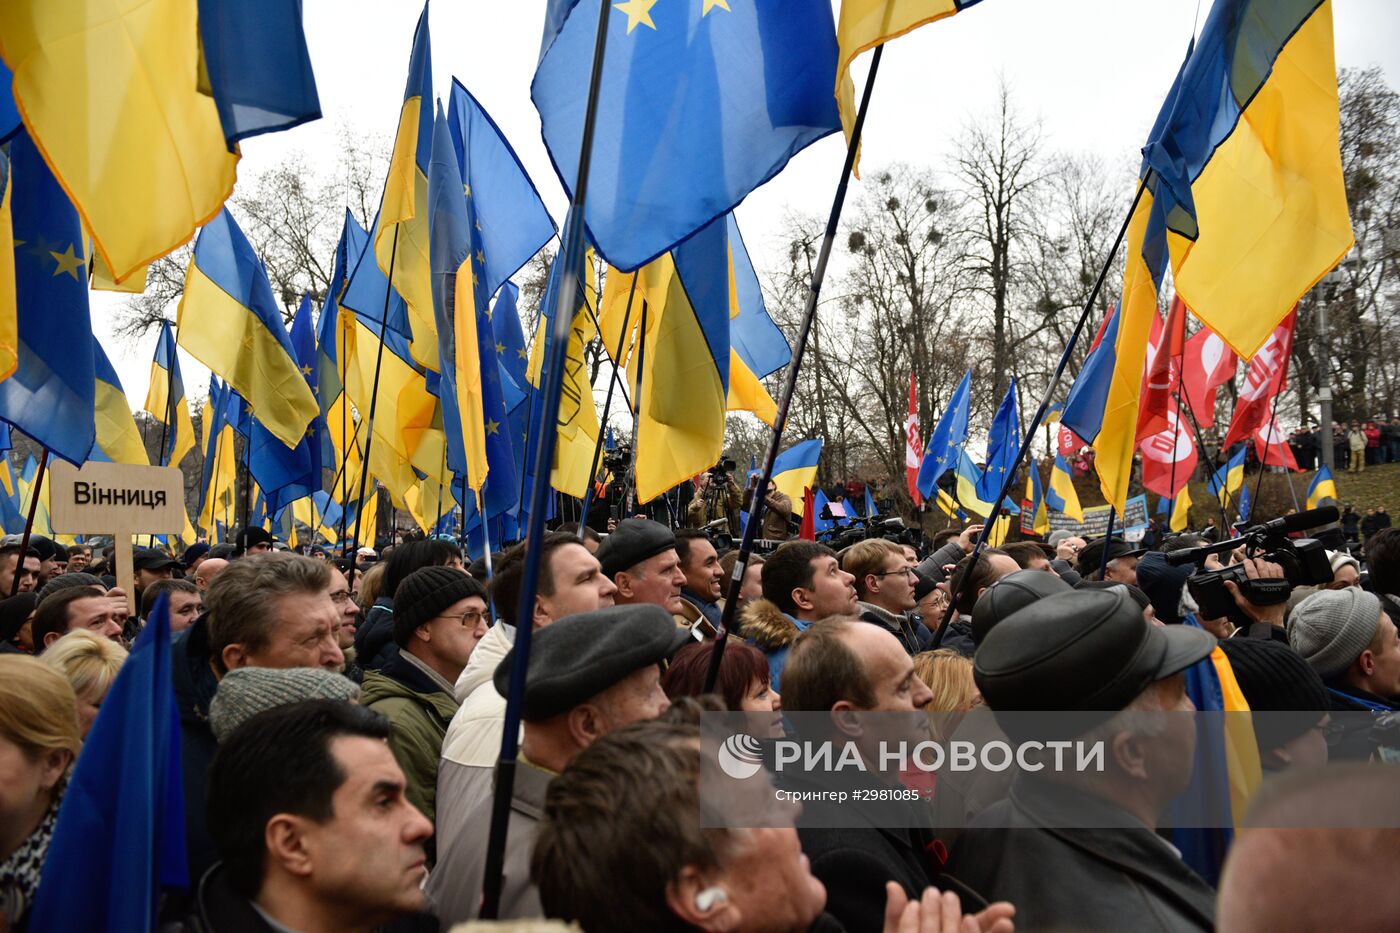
1090, 652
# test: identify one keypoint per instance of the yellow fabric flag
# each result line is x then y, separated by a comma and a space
746, 393
108, 90
1181, 508
578, 414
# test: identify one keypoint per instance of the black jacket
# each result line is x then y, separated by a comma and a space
913, 635
1126, 877
958, 637
1351, 737
374, 639
218, 908
195, 682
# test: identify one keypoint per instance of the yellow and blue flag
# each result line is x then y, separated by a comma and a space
165, 399
228, 319
401, 241
864, 24
795, 469
9, 319
331, 340
700, 102
1181, 510
258, 69
51, 395
968, 496
286, 474
1229, 477
1062, 497
1035, 517
1003, 447
220, 475
948, 436
753, 333
116, 437
109, 93
1322, 489
1246, 166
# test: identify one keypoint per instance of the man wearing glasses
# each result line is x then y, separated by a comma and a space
885, 581
439, 616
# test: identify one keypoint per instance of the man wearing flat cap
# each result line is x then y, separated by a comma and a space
640, 557
588, 675
1077, 849
1122, 561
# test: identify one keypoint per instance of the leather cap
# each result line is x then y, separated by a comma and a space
631, 542
1011, 593
1087, 651
1091, 556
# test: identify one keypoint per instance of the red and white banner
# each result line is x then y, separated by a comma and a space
1163, 374
913, 447
1209, 365
1266, 378
1169, 455
1271, 444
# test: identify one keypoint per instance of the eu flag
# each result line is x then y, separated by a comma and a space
948, 435
52, 393
259, 70
1003, 445
120, 835
284, 473
700, 103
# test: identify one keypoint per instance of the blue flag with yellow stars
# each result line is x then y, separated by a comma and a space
1003, 446
701, 101
52, 394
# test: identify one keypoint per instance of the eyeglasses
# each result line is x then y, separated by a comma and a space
907, 571
468, 619
341, 596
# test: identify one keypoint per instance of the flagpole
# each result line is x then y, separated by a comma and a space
1107, 539
1040, 412
1176, 432
1210, 463
542, 454
374, 390
757, 497
607, 406
625, 507
1264, 460
462, 518
485, 530
165, 426
35, 488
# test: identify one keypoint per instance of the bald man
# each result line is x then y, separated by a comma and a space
207, 570
1315, 853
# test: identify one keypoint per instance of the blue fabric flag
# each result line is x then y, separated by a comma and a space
1084, 408
286, 474
368, 293
1245, 505
120, 835
869, 503
754, 335
699, 104
52, 394
1003, 444
9, 113
948, 436
259, 70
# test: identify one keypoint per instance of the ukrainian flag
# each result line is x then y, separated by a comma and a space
1062, 497
1180, 508
1322, 489
699, 103
967, 495
228, 319
1229, 478
217, 485
50, 396
286, 474
117, 439
165, 400
1247, 166
109, 92
1035, 504
331, 331
795, 469
402, 245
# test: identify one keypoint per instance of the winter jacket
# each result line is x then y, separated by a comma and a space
218, 908
912, 635
1121, 877
1352, 737
958, 637
776, 517
932, 566
374, 638
195, 681
694, 609
771, 631
1356, 439
419, 710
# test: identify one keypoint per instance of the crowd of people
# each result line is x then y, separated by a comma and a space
1357, 444
340, 724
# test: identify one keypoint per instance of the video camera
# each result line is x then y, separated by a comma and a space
722, 469
618, 460
1304, 562
861, 529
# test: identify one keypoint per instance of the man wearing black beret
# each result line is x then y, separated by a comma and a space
1122, 560
589, 674
640, 557
1113, 678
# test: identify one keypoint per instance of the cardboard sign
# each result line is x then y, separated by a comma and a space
120, 500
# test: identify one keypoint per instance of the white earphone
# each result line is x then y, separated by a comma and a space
710, 898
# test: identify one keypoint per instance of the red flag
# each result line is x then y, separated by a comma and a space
1069, 443
1163, 374
1267, 376
1272, 446
913, 447
1209, 365
808, 531
1169, 455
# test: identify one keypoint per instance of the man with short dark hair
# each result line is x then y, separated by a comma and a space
704, 582
1383, 569
151, 566
185, 602
802, 582
74, 608
1028, 555
268, 610
308, 810
53, 558
79, 556
28, 570
588, 674
884, 580
991, 565
640, 557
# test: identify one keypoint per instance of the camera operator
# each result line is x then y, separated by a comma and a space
777, 512
1383, 569
717, 496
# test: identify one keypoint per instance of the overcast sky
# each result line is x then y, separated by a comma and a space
1094, 72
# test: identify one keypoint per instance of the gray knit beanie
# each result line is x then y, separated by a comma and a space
247, 691
65, 580
1331, 628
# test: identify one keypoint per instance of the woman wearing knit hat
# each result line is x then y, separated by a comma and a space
1353, 647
